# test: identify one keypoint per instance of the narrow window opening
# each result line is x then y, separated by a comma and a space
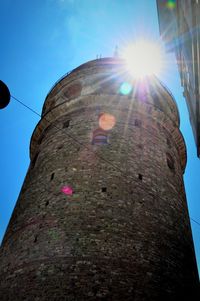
52, 176
100, 137
66, 124
103, 189
138, 122
170, 162
47, 203
140, 176
35, 239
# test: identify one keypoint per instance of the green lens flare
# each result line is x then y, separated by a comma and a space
125, 88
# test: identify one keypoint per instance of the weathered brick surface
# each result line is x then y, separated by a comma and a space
124, 234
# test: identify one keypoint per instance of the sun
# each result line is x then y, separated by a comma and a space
143, 58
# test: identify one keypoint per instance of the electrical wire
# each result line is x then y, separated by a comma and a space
198, 223
73, 138
78, 142
23, 104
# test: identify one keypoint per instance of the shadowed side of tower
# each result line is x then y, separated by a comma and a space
102, 213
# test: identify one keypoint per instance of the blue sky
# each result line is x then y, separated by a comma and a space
41, 41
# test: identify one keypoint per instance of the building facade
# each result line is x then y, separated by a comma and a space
102, 214
179, 27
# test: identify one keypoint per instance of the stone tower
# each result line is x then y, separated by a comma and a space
102, 213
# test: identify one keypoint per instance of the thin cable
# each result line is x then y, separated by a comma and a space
23, 104
195, 221
78, 142
73, 138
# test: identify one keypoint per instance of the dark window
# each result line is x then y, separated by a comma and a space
104, 189
170, 162
140, 176
138, 122
140, 146
100, 137
66, 124
52, 176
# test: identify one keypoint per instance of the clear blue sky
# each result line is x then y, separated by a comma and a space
43, 39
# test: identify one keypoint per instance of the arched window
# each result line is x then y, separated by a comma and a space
99, 137
73, 90
66, 124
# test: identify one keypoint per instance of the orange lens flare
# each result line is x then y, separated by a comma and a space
106, 121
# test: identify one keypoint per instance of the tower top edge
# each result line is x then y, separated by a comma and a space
115, 61
109, 61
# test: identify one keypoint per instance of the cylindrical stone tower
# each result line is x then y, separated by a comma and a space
102, 213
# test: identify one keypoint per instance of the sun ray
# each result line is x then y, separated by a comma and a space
144, 58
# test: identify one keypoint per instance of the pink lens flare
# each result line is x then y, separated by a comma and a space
67, 190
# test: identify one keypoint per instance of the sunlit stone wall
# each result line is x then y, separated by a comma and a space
102, 213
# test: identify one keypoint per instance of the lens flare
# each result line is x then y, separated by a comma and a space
142, 90
67, 190
171, 4
143, 58
125, 88
106, 121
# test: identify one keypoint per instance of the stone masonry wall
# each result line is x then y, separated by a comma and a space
124, 233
